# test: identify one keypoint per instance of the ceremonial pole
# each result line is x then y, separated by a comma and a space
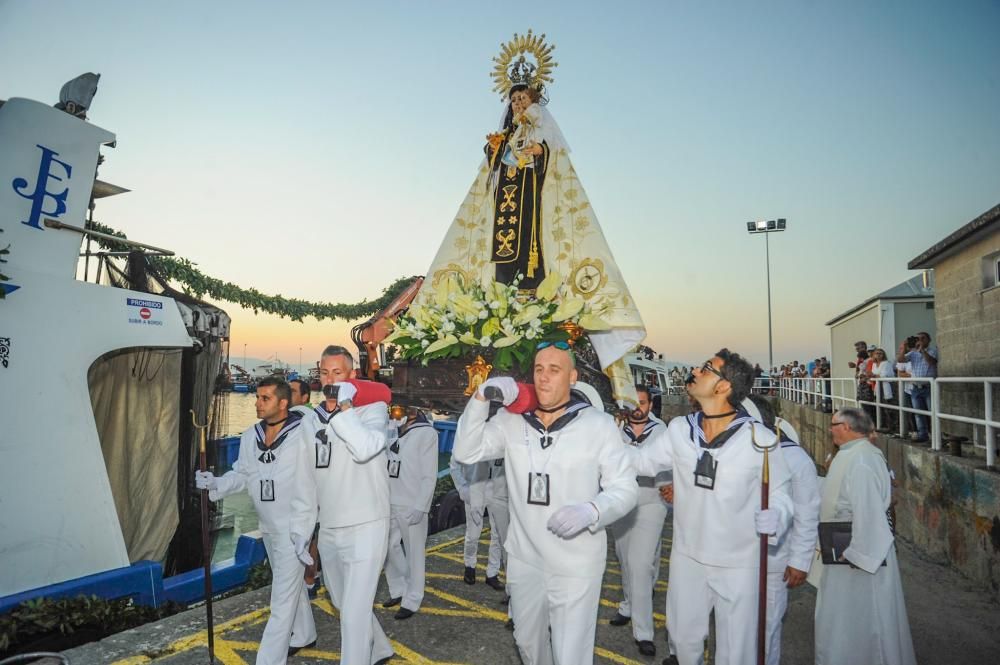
762, 596
206, 541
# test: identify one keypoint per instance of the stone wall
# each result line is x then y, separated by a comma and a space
948, 507
968, 330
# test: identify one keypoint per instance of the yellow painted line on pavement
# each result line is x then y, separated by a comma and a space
482, 610
440, 611
443, 576
615, 657
133, 660
441, 546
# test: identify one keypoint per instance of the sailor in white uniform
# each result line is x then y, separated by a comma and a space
638, 535
481, 486
568, 477
412, 466
788, 562
350, 486
715, 555
272, 461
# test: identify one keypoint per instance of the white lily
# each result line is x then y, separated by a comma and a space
442, 343
568, 308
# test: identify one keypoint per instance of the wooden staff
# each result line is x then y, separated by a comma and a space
206, 541
762, 596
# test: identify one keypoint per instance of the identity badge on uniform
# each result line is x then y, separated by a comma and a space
394, 465
704, 471
322, 450
538, 488
266, 489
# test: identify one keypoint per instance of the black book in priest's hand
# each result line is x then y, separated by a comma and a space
834, 538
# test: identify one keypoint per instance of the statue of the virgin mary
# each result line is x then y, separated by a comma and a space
526, 214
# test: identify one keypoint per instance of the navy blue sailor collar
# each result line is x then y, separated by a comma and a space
419, 421
697, 434
291, 424
650, 427
573, 409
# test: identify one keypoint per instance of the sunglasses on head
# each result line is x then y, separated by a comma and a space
562, 346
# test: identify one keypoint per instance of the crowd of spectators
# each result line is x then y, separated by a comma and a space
915, 358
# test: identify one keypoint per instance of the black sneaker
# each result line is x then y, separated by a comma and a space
494, 583
470, 575
619, 620
646, 648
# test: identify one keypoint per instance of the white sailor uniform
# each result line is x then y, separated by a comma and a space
638, 536
350, 486
554, 582
271, 476
481, 483
412, 466
715, 555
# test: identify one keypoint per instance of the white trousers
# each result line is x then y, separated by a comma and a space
290, 608
541, 601
499, 519
695, 590
352, 562
404, 565
637, 546
777, 603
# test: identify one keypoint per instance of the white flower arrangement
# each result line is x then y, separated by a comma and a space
456, 321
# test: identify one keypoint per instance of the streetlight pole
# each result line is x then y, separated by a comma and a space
300, 361
244, 356
768, 227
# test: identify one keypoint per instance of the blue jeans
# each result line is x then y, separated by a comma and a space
920, 398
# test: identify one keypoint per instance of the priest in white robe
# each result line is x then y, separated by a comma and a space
860, 612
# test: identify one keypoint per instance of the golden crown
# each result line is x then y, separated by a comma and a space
512, 67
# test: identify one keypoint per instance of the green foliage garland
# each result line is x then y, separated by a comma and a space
199, 284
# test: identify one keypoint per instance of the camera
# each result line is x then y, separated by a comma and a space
911, 341
330, 391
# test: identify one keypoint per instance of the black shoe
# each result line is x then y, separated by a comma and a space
494, 583
646, 648
510, 624
384, 660
470, 575
619, 620
294, 650
403, 613
506, 600
392, 602
670, 660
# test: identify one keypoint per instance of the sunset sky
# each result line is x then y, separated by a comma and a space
321, 149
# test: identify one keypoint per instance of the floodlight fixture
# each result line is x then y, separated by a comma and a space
767, 227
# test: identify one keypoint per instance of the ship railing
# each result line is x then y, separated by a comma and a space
830, 394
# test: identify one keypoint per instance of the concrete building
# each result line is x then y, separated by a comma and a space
966, 265
885, 319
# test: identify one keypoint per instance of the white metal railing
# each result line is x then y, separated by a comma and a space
830, 394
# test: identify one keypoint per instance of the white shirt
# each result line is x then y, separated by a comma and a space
354, 488
798, 545
586, 462
716, 527
417, 458
648, 492
286, 471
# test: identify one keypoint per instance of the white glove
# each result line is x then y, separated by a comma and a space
507, 386
397, 423
301, 545
463, 494
571, 520
766, 521
415, 516
345, 391
204, 480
